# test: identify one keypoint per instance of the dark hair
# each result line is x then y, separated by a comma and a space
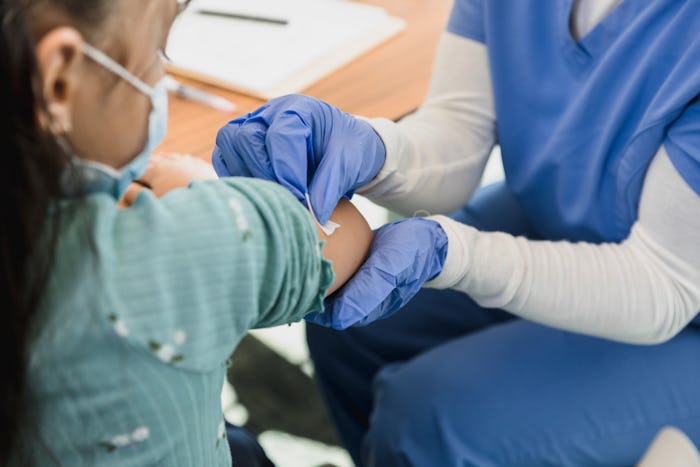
31, 166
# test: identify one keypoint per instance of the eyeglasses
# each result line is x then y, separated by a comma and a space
181, 5
163, 57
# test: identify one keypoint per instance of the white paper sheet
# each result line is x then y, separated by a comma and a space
267, 60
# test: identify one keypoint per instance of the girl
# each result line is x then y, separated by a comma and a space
119, 322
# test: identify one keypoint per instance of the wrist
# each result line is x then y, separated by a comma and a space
460, 241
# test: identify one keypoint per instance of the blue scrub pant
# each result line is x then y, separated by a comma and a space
444, 382
245, 449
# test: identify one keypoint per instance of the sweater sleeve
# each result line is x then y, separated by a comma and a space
643, 290
191, 272
435, 157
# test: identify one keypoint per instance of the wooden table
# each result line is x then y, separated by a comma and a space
389, 81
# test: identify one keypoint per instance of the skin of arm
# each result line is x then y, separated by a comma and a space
346, 248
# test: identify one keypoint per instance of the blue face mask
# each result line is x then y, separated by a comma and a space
119, 179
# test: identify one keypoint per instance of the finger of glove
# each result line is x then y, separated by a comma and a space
322, 318
365, 147
222, 169
248, 143
424, 239
334, 178
288, 143
364, 293
353, 157
225, 158
397, 299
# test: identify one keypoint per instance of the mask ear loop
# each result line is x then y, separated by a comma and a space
101, 58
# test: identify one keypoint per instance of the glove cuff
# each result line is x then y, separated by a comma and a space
386, 131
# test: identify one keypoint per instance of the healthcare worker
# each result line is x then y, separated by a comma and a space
560, 332
118, 323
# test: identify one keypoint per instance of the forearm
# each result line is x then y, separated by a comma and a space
643, 290
612, 291
348, 246
436, 156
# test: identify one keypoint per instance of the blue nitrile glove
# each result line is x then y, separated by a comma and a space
304, 144
403, 256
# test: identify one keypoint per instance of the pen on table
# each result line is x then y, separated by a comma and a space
197, 95
246, 17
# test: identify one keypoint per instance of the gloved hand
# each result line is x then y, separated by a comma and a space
304, 144
403, 256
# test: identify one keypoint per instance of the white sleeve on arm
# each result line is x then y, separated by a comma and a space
644, 290
436, 156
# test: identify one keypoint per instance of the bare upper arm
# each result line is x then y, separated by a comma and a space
348, 246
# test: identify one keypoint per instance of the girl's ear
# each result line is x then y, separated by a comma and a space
59, 54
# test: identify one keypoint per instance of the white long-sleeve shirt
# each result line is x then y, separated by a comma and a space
643, 290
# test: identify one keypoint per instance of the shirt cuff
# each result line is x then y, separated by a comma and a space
460, 242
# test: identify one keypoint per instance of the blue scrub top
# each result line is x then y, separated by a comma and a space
579, 122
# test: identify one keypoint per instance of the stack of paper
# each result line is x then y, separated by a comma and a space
304, 41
